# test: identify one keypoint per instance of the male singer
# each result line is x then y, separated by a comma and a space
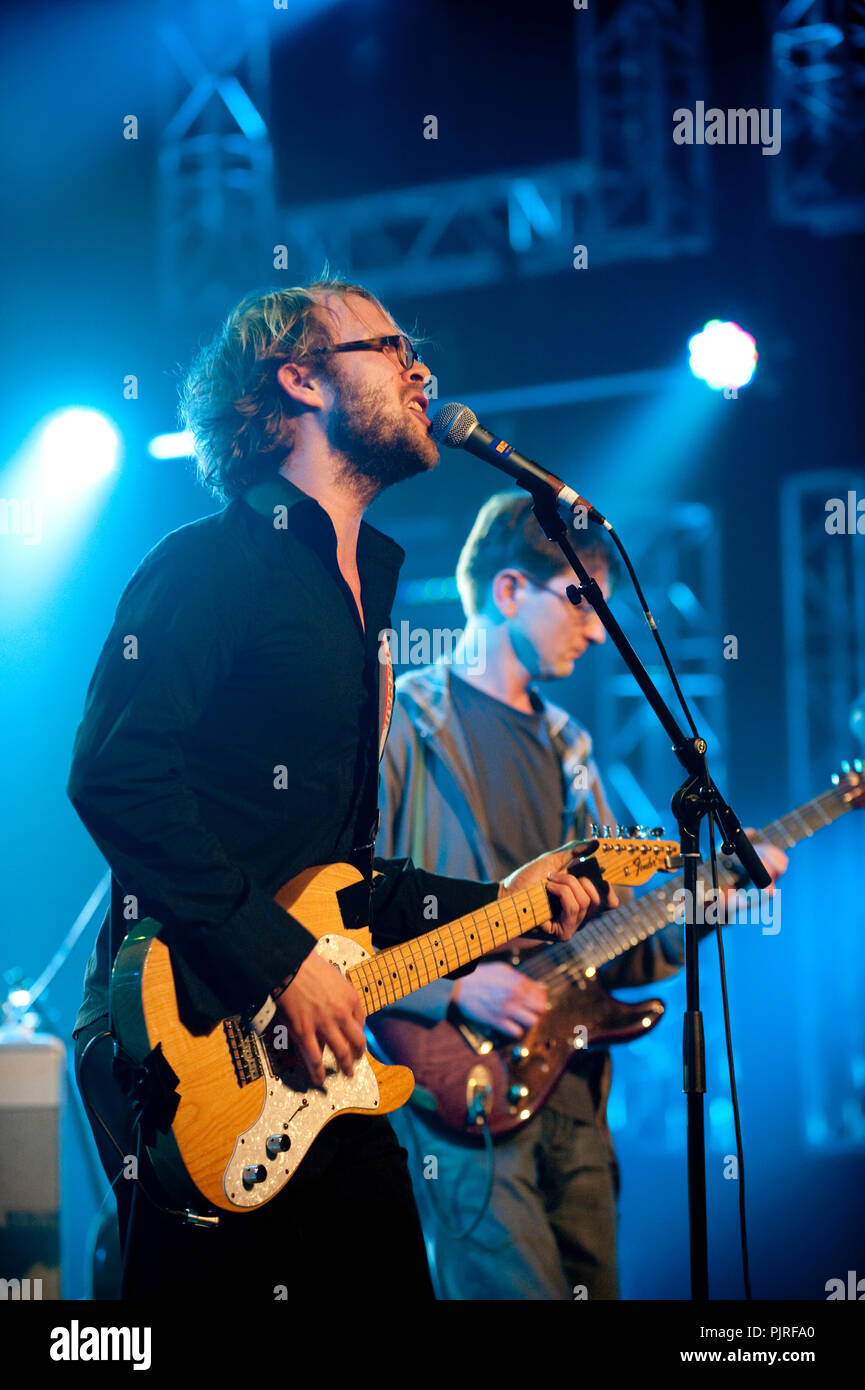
231, 738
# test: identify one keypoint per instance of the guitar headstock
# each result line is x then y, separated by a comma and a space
850, 781
633, 859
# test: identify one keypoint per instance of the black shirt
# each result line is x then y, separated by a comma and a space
230, 740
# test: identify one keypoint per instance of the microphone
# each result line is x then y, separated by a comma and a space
458, 427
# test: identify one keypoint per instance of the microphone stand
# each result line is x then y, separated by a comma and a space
694, 799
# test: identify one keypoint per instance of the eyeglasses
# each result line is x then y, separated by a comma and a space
582, 609
405, 349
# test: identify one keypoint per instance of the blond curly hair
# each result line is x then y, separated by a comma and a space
241, 419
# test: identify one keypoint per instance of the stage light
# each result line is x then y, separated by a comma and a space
723, 355
78, 447
172, 446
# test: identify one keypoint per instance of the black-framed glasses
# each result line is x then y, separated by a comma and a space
405, 349
581, 609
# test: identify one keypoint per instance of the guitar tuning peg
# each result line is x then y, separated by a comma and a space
633, 832
606, 832
835, 779
657, 832
594, 831
845, 767
857, 764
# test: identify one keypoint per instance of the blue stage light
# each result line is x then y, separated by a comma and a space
723, 355
78, 447
172, 446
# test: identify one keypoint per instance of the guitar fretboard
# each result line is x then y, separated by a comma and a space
613, 933
391, 974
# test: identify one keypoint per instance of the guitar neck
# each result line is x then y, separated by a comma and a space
613, 933
391, 974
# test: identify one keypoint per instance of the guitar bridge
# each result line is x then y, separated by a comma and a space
244, 1053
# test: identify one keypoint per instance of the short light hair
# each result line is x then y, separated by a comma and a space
505, 535
241, 420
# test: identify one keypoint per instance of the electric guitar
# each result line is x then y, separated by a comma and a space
452, 1060
238, 1110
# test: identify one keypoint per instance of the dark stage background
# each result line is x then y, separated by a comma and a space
554, 129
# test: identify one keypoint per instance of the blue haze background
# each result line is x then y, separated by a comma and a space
350, 86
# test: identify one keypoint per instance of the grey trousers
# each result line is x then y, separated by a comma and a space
549, 1229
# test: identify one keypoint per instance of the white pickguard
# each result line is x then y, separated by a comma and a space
292, 1106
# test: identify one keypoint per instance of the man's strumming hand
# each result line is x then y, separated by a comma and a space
320, 1008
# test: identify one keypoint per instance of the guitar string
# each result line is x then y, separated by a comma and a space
600, 941
566, 962
373, 972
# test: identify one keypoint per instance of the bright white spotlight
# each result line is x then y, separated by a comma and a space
723, 354
78, 448
172, 446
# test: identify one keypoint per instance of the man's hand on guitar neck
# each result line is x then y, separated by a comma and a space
321, 1009
577, 897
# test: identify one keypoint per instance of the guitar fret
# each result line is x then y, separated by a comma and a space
373, 997
465, 946
444, 946
802, 821
384, 978
409, 945
401, 977
782, 838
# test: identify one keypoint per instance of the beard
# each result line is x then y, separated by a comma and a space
378, 443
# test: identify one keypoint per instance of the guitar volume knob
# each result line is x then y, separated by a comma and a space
277, 1144
253, 1173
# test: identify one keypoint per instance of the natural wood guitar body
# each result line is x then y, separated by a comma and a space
235, 1109
217, 1118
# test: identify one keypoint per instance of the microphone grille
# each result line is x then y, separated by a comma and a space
453, 423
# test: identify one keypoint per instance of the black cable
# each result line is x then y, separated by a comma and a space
653, 628
455, 1232
185, 1216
